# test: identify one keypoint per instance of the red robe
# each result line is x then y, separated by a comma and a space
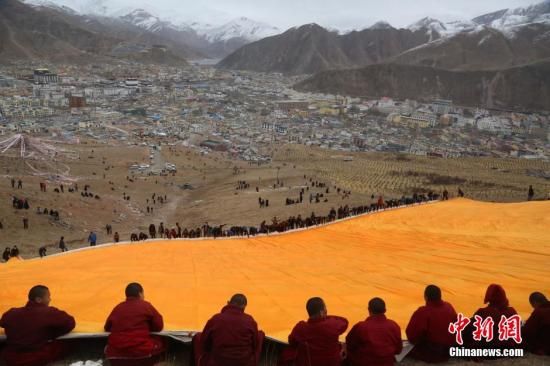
230, 338
374, 341
30, 331
498, 306
536, 332
428, 330
317, 341
130, 324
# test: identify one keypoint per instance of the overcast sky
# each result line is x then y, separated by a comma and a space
356, 13
341, 14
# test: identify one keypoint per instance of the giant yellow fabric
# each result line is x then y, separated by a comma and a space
460, 245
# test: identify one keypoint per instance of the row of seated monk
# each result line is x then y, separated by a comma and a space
232, 337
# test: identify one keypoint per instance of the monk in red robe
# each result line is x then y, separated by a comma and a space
536, 331
230, 338
315, 342
497, 307
428, 328
31, 331
131, 323
374, 341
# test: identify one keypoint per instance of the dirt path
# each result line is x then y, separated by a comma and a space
169, 209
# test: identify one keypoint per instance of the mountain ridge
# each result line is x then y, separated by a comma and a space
524, 87
311, 48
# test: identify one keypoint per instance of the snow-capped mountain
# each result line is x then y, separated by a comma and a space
436, 29
506, 21
145, 20
216, 37
241, 28
51, 5
508, 18
86, 7
430, 23
219, 27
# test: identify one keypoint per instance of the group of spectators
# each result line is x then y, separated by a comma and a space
232, 337
276, 225
20, 203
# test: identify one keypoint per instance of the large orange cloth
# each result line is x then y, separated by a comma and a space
460, 245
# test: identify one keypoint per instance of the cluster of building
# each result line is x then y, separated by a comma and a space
247, 114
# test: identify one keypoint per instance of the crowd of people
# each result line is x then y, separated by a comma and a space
265, 227
20, 203
276, 225
232, 337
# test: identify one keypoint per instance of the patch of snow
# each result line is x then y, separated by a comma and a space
427, 45
428, 23
458, 26
484, 39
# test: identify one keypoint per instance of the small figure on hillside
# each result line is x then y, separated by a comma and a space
530, 194
42, 251
14, 253
92, 239
62, 244
6, 255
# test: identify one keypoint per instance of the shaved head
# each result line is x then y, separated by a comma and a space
377, 306
39, 294
38, 291
133, 289
315, 306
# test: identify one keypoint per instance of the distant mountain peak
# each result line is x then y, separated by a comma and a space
433, 28
145, 20
310, 26
381, 25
